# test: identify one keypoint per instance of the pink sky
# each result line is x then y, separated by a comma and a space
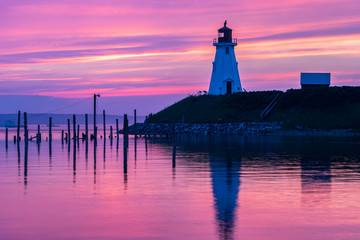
138, 47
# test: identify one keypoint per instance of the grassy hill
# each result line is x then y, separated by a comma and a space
335, 107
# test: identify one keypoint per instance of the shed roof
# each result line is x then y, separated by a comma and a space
315, 78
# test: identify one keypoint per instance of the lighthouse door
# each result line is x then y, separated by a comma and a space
228, 88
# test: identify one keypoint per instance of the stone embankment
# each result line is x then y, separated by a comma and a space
204, 128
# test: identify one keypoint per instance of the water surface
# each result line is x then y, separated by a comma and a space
264, 187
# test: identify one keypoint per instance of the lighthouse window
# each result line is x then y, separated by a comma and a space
221, 34
227, 50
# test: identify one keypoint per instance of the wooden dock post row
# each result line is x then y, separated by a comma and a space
66, 136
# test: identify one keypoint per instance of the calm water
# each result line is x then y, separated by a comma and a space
206, 188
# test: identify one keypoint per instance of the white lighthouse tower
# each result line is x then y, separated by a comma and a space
225, 75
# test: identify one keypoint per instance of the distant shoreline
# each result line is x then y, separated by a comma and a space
241, 129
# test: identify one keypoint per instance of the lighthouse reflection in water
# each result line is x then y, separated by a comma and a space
259, 187
225, 175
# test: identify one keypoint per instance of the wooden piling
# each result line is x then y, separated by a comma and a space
117, 128
68, 133
26, 133
50, 129
104, 124
18, 127
111, 132
125, 131
62, 136
78, 132
86, 127
126, 124
74, 128
6, 137
95, 128
135, 132
38, 136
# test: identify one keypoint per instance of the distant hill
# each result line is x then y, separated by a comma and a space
334, 107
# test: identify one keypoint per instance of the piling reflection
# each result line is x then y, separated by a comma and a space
68, 151
86, 153
104, 153
94, 162
26, 165
135, 148
50, 153
38, 147
74, 163
18, 158
315, 177
125, 166
174, 157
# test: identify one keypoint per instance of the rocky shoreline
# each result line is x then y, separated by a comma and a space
244, 128
204, 128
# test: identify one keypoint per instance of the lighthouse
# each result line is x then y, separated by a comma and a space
225, 74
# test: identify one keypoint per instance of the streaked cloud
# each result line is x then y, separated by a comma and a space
135, 47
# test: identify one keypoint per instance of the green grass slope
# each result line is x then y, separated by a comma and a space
237, 107
335, 107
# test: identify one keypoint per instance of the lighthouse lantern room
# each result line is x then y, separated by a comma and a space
225, 74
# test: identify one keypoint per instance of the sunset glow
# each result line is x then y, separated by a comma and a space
68, 49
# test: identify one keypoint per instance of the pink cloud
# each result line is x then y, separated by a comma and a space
62, 47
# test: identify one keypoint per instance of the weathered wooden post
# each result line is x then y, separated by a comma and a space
125, 131
104, 124
135, 123
117, 137
38, 136
26, 133
111, 135
95, 128
74, 129
6, 138
95, 118
117, 128
50, 129
62, 136
78, 132
86, 127
18, 127
68, 133
126, 124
